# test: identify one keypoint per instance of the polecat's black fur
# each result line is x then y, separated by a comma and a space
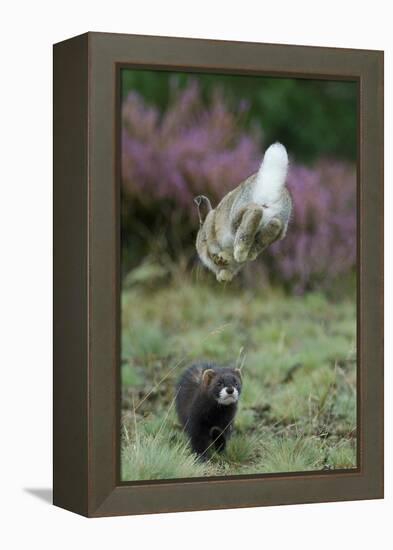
206, 403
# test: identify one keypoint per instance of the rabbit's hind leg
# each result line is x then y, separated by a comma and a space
272, 232
246, 232
220, 257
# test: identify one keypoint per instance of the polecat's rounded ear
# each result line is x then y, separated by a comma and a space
239, 373
207, 376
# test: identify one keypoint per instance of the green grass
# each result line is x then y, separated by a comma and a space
298, 406
159, 457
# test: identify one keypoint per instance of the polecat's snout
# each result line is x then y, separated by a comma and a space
228, 395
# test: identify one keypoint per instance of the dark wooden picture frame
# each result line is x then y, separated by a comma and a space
87, 281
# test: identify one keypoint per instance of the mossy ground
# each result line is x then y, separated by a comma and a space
298, 406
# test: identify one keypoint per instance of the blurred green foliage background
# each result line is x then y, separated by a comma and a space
313, 118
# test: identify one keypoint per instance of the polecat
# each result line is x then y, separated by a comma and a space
206, 403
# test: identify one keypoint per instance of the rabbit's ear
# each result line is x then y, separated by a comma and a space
204, 207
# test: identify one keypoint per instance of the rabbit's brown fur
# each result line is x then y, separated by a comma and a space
247, 220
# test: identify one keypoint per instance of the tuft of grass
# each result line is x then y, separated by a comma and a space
163, 457
241, 449
343, 455
291, 455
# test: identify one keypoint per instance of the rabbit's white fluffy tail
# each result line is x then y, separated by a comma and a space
271, 176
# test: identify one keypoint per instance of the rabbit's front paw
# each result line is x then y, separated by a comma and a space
222, 258
224, 276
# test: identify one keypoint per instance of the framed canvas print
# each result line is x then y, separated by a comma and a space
218, 287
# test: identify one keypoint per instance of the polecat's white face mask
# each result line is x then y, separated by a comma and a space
226, 396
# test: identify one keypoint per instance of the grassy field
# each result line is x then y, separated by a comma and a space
298, 407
